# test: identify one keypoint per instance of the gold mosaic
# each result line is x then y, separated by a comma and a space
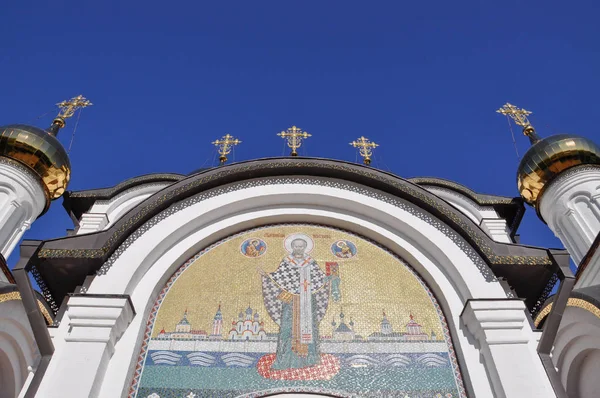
297, 308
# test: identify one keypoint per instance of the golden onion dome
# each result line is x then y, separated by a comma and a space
549, 157
41, 152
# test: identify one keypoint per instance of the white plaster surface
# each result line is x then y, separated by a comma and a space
95, 324
105, 213
18, 350
505, 337
21, 202
570, 206
576, 352
485, 216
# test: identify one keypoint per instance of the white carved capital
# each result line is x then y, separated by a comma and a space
96, 322
497, 229
92, 222
496, 321
100, 319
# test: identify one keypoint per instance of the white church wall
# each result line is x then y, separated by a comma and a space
18, 350
22, 200
484, 216
105, 213
454, 272
571, 208
576, 352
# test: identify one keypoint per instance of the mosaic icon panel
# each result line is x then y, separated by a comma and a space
296, 308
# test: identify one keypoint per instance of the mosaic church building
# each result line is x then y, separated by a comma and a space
299, 277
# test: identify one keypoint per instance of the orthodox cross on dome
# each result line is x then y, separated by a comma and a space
365, 148
294, 136
225, 145
67, 110
519, 116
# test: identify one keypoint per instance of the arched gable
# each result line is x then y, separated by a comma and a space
83, 255
139, 253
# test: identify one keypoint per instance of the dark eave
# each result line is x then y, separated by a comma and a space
511, 209
60, 265
78, 202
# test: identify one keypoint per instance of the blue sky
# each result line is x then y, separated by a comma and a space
423, 79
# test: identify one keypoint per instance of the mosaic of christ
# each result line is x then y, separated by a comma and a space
297, 307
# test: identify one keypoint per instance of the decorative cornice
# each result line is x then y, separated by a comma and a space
108, 193
480, 199
571, 302
161, 185
155, 203
435, 189
395, 201
17, 296
88, 253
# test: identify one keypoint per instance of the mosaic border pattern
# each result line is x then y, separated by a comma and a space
571, 302
403, 204
17, 296
395, 201
135, 379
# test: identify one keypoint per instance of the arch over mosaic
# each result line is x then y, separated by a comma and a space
288, 308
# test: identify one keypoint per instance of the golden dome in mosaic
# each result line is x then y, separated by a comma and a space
41, 152
549, 157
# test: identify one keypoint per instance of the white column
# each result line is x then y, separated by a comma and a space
96, 323
22, 200
508, 347
571, 208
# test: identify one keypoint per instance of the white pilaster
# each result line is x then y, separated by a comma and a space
497, 229
570, 206
92, 222
507, 344
22, 200
96, 323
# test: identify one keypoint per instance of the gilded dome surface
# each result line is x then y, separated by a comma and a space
548, 158
41, 152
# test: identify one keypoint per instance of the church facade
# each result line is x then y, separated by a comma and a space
294, 276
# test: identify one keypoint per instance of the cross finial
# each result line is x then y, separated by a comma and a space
519, 116
67, 110
365, 148
294, 137
224, 146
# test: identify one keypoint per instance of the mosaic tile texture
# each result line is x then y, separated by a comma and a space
296, 307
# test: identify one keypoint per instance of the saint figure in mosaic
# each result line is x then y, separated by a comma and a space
296, 296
